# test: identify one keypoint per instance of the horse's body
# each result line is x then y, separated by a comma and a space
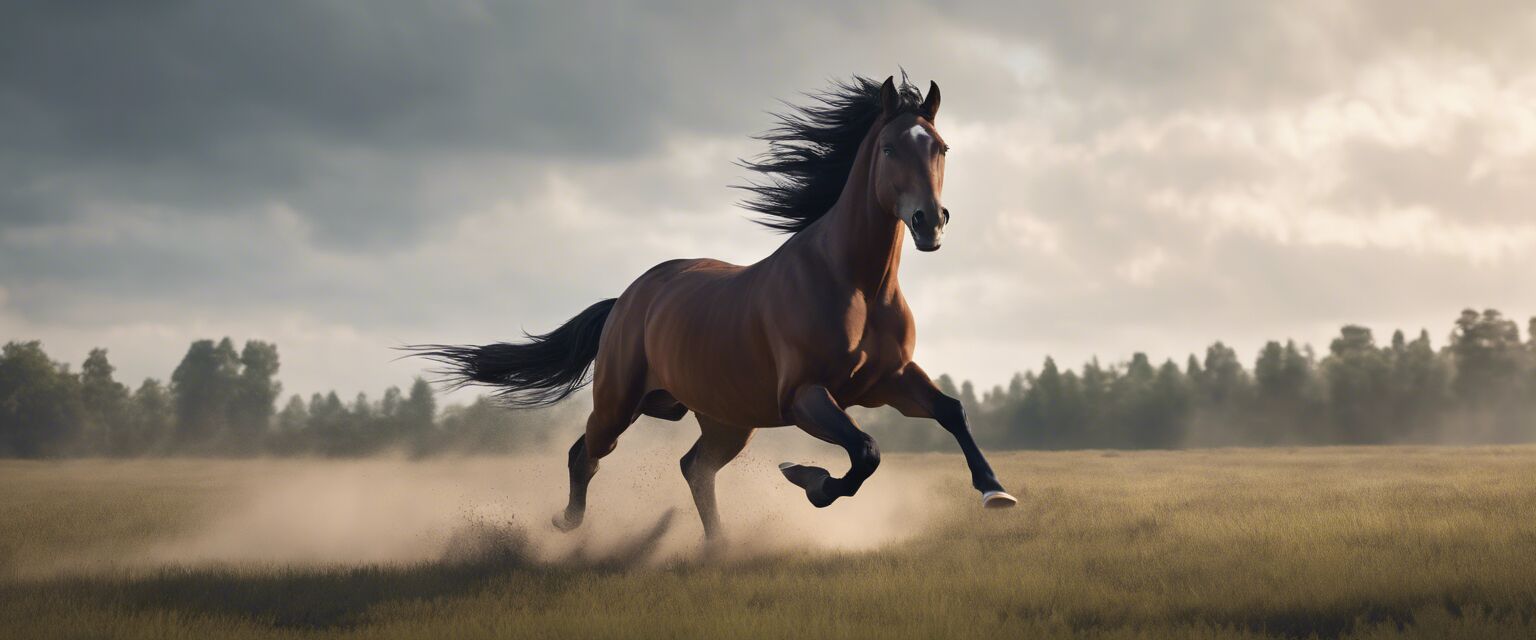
818, 326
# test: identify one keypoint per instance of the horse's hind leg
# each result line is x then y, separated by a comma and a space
718, 444
816, 412
582, 468
617, 391
603, 429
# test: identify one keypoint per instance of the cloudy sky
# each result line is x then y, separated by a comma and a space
341, 177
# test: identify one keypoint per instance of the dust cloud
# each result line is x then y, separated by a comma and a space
347, 512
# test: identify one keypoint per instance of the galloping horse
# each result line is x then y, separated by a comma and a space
815, 327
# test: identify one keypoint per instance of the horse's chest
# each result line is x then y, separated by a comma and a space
876, 347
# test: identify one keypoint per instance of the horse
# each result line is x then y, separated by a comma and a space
816, 327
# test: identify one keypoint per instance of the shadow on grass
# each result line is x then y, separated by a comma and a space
321, 597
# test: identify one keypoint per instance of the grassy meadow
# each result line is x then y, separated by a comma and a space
1388, 542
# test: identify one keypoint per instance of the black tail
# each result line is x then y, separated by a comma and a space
539, 372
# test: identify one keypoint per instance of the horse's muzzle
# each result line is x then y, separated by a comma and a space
927, 234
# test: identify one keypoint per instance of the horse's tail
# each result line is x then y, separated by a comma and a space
538, 372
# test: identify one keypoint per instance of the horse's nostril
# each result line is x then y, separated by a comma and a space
918, 218
946, 215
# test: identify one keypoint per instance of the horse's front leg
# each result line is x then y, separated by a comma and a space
816, 412
915, 395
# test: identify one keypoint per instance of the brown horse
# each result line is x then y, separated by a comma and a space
818, 326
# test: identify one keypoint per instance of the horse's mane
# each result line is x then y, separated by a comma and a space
811, 151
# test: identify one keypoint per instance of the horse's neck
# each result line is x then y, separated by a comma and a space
856, 237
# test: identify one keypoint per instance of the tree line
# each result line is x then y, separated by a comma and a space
223, 401
1479, 387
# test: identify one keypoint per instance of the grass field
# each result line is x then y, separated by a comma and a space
1390, 542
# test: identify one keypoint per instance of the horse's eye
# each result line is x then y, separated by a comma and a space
888, 151
944, 150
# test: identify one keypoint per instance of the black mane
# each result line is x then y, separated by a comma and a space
811, 152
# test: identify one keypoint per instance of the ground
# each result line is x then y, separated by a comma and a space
1423, 542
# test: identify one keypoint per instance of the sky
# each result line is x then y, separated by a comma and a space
344, 177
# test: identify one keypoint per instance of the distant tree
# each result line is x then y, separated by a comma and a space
1038, 421
1283, 383
292, 434
40, 403
1016, 388
1168, 408
205, 385
1358, 378
1224, 383
417, 415
1420, 386
372, 431
389, 407
1097, 382
255, 396
150, 423
1151, 405
994, 397
1530, 362
331, 425
1487, 351
105, 402
294, 417
1282, 373
1489, 360
1222, 392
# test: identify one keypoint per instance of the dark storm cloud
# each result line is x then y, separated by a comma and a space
343, 110
215, 108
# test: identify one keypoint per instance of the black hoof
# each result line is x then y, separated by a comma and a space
564, 522
812, 479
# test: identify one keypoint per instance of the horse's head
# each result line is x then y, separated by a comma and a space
909, 166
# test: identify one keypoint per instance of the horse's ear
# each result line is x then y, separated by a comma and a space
890, 101
930, 106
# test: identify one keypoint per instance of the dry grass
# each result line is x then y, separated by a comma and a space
1341, 542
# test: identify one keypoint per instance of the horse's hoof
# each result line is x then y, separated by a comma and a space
812, 479
998, 500
564, 523
715, 547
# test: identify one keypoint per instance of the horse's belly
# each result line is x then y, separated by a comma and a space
720, 381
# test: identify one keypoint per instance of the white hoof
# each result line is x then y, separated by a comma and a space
785, 465
998, 500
